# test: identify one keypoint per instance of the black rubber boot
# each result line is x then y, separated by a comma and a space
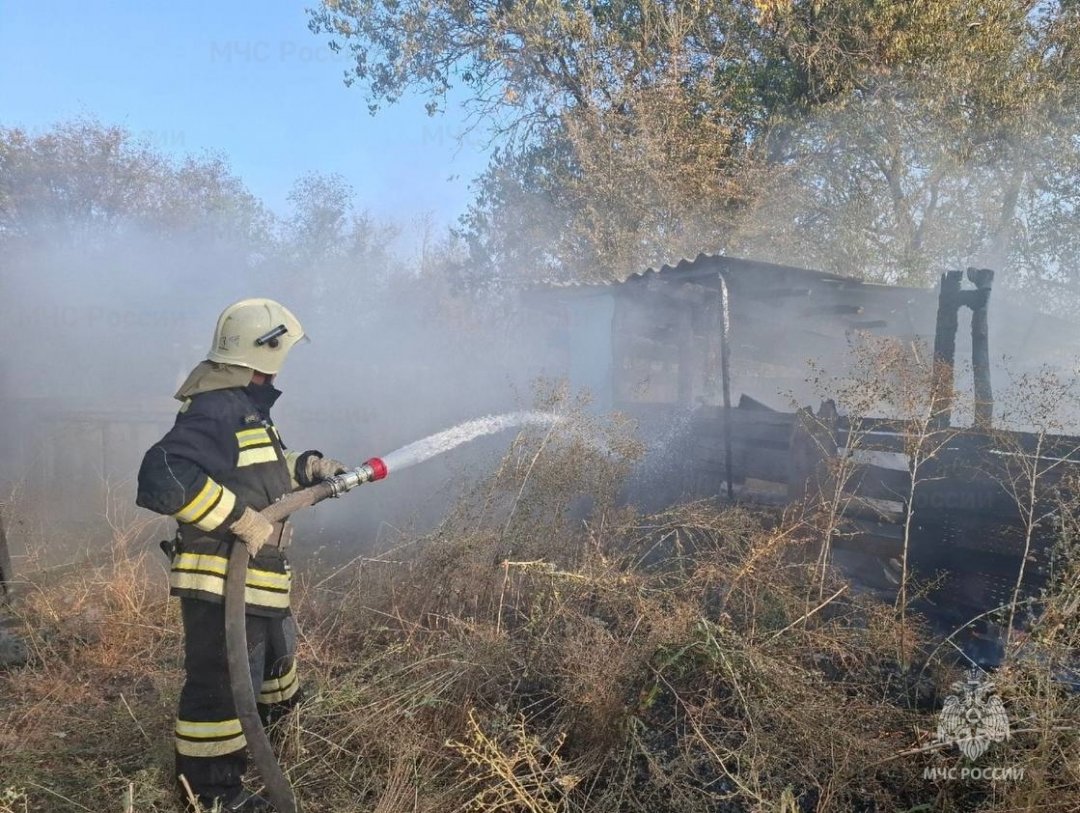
242, 802
246, 802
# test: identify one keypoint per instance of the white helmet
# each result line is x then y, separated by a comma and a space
255, 333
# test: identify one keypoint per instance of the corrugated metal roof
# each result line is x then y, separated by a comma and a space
705, 265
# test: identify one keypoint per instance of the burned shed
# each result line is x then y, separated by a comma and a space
715, 355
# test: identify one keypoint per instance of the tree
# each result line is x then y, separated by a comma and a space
616, 142
317, 228
879, 137
341, 255
83, 183
950, 145
84, 202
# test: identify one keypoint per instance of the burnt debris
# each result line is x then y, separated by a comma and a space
685, 337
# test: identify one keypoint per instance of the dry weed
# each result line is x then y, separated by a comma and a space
544, 650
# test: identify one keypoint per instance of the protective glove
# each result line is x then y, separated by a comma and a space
318, 468
253, 529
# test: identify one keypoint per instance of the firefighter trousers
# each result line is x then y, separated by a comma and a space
210, 747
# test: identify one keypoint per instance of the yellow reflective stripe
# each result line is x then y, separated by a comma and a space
207, 583
220, 565
204, 730
184, 406
279, 696
268, 579
210, 748
201, 561
273, 684
262, 454
252, 437
263, 588
265, 598
219, 513
203, 500
278, 690
215, 585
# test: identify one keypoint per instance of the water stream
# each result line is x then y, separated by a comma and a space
429, 447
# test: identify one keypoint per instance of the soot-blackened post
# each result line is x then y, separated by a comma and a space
979, 302
950, 299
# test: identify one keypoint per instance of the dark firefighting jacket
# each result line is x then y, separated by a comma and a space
222, 455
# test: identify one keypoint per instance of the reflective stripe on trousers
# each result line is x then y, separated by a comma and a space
208, 740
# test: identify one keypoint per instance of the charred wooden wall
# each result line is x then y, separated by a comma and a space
963, 518
666, 329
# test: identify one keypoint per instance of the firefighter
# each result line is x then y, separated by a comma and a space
221, 463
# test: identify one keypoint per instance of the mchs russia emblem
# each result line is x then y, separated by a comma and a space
973, 717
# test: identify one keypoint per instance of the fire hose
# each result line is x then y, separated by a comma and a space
278, 789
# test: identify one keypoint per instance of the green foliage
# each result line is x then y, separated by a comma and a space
942, 146
97, 190
82, 184
883, 137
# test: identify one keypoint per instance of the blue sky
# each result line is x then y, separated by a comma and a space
241, 77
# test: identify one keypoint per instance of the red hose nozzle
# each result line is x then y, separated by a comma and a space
374, 469
378, 468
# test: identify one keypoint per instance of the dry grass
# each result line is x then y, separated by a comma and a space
546, 651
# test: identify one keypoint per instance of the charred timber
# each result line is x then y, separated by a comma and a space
950, 299
942, 384
979, 302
